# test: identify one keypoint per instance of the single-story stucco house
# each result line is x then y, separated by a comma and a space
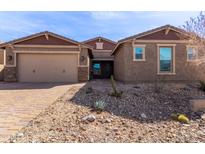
1, 64
102, 62
163, 53
46, 57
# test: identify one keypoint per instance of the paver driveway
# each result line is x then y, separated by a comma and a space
21, 102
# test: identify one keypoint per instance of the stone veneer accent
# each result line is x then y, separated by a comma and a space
1, 73
83, 74
10, 74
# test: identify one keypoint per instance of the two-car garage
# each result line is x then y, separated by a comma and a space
46, 57
46, 67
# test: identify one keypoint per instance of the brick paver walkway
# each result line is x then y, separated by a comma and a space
21, 102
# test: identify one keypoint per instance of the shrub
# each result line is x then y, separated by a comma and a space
158, 86
99, 105
89, 90
175, 116
202, 85
115, 93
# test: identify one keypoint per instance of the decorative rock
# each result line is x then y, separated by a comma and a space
143, 115
203, 116
108, 120
122, 121
139, 138
115, 129
198, 104
12, 141
19, 134
89, 118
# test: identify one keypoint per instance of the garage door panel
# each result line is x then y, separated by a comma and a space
47, 67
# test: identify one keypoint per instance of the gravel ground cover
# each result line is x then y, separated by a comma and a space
141, 114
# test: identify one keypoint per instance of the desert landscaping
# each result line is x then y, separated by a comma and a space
142, 113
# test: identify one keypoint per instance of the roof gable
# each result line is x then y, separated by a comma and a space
164, 33
107, 44
44, 38
99, 38
167, 32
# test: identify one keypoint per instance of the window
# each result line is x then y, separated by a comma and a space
166, 61
192, 54
99, 45
139, 53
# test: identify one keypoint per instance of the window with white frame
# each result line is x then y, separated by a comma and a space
99, 45
192, 53
139, 53
166, 59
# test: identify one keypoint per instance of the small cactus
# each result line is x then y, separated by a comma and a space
180, 117
183, 118
99, 105
113, 84
115, 93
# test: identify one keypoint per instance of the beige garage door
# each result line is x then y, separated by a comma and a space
47, 67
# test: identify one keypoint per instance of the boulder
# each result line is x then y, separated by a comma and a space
89, 118
198, 104
143, 115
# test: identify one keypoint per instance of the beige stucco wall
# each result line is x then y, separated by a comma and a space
131, 71
119, 64
83, 59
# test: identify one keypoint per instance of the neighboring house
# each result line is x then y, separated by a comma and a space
1, 64
1, 56
102, 62
46, 57
159, 54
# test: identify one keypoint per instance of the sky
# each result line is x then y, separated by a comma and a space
81, 26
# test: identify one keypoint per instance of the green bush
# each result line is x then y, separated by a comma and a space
89, 90
99, 105
202, 85
175, 116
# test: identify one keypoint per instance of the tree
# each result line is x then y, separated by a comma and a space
196, 30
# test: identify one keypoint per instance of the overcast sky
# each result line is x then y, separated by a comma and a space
85, 25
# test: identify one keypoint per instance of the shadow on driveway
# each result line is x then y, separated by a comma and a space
27, 86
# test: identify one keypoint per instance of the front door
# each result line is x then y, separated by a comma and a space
102, 69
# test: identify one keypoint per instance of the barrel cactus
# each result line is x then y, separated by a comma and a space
180, 117
183, 118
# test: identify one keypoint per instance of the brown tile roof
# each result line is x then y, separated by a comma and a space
153, 30
149, 32
40, 34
